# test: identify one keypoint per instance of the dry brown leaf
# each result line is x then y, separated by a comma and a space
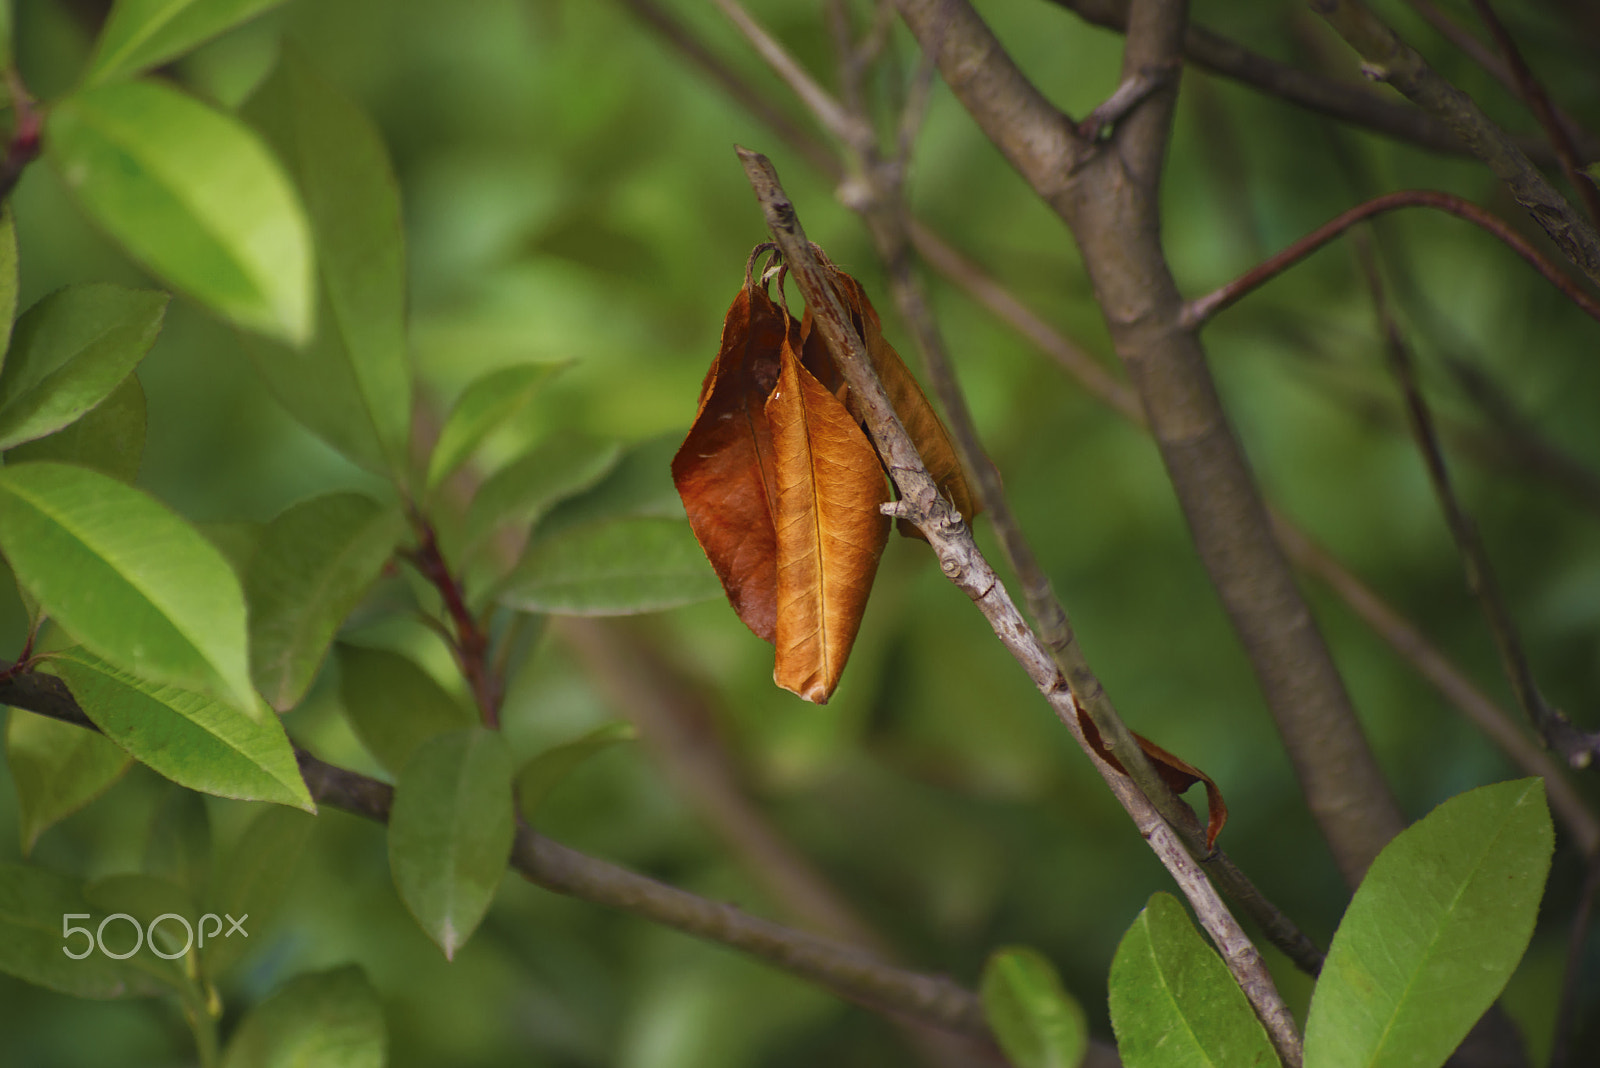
1176, 772
723, 471
830, 529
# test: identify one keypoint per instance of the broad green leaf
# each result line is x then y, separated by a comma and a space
69, 352
331, 1018
252, 880
179, 846
108, 439
236, 540
545, 771
450, 832
188, 737
35, 906
146, 898
483, 406
1038, 1024
343, 172
529, 485
613, 567
57, 769
639, 485
313, 564
130, 580
1434, 931
192, 194
1173, 1003
394, 706
140, 34
8, 223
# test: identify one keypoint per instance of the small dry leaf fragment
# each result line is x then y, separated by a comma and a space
1176, 772
723, 471
830, 529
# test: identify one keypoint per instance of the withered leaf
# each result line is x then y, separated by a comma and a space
724, 470
1176, 772
830, 528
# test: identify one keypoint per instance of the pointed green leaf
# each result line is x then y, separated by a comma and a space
329, 1018
69, 352
1434, 931
564, 465
36, 907
57, 769
1173, 1003
394, 706
613, 567
192, 194
639, 485
189, 738
343, 172
450, 832
236, 540
140, 34
544, 772
8, 239
1038, 1024
312, 566
108, 439
252, 880
126, 577
146, 898
483, 406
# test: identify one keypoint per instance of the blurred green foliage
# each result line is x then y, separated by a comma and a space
569, 194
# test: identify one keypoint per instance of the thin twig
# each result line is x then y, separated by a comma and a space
1200, 310
467, 638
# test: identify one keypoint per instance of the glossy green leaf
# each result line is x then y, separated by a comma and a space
343, 172
192, 194
394, 706
109, 438
57, 769
1038, 1024
35, 906
191, 739
450, 832
141, 34
8, 234
236, 541
313, 564
552, 471
69, 352
639, 485
544, 772
126, 577
482, 407
252, 879
1173, 1003
613, 567
331, 1018
1434, 931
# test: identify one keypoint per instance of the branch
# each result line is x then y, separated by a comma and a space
964, 565
1200, 310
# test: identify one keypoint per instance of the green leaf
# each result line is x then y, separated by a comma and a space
343, 171
1173, 1003
450, 832
554, 470
8, 223
236, 540
253, 879
393, 705
483, 406
146, 898
108, 439
192, 194
130, 580
189, 738
140, 34
613, 567
57, 769
179, 846
544, 772
1038, 1024
329, 1018
33, 904
69, 352
639, 485
312, 566
1434, 931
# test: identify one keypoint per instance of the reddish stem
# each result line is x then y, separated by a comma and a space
23, 148
470, 643
1200, 310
